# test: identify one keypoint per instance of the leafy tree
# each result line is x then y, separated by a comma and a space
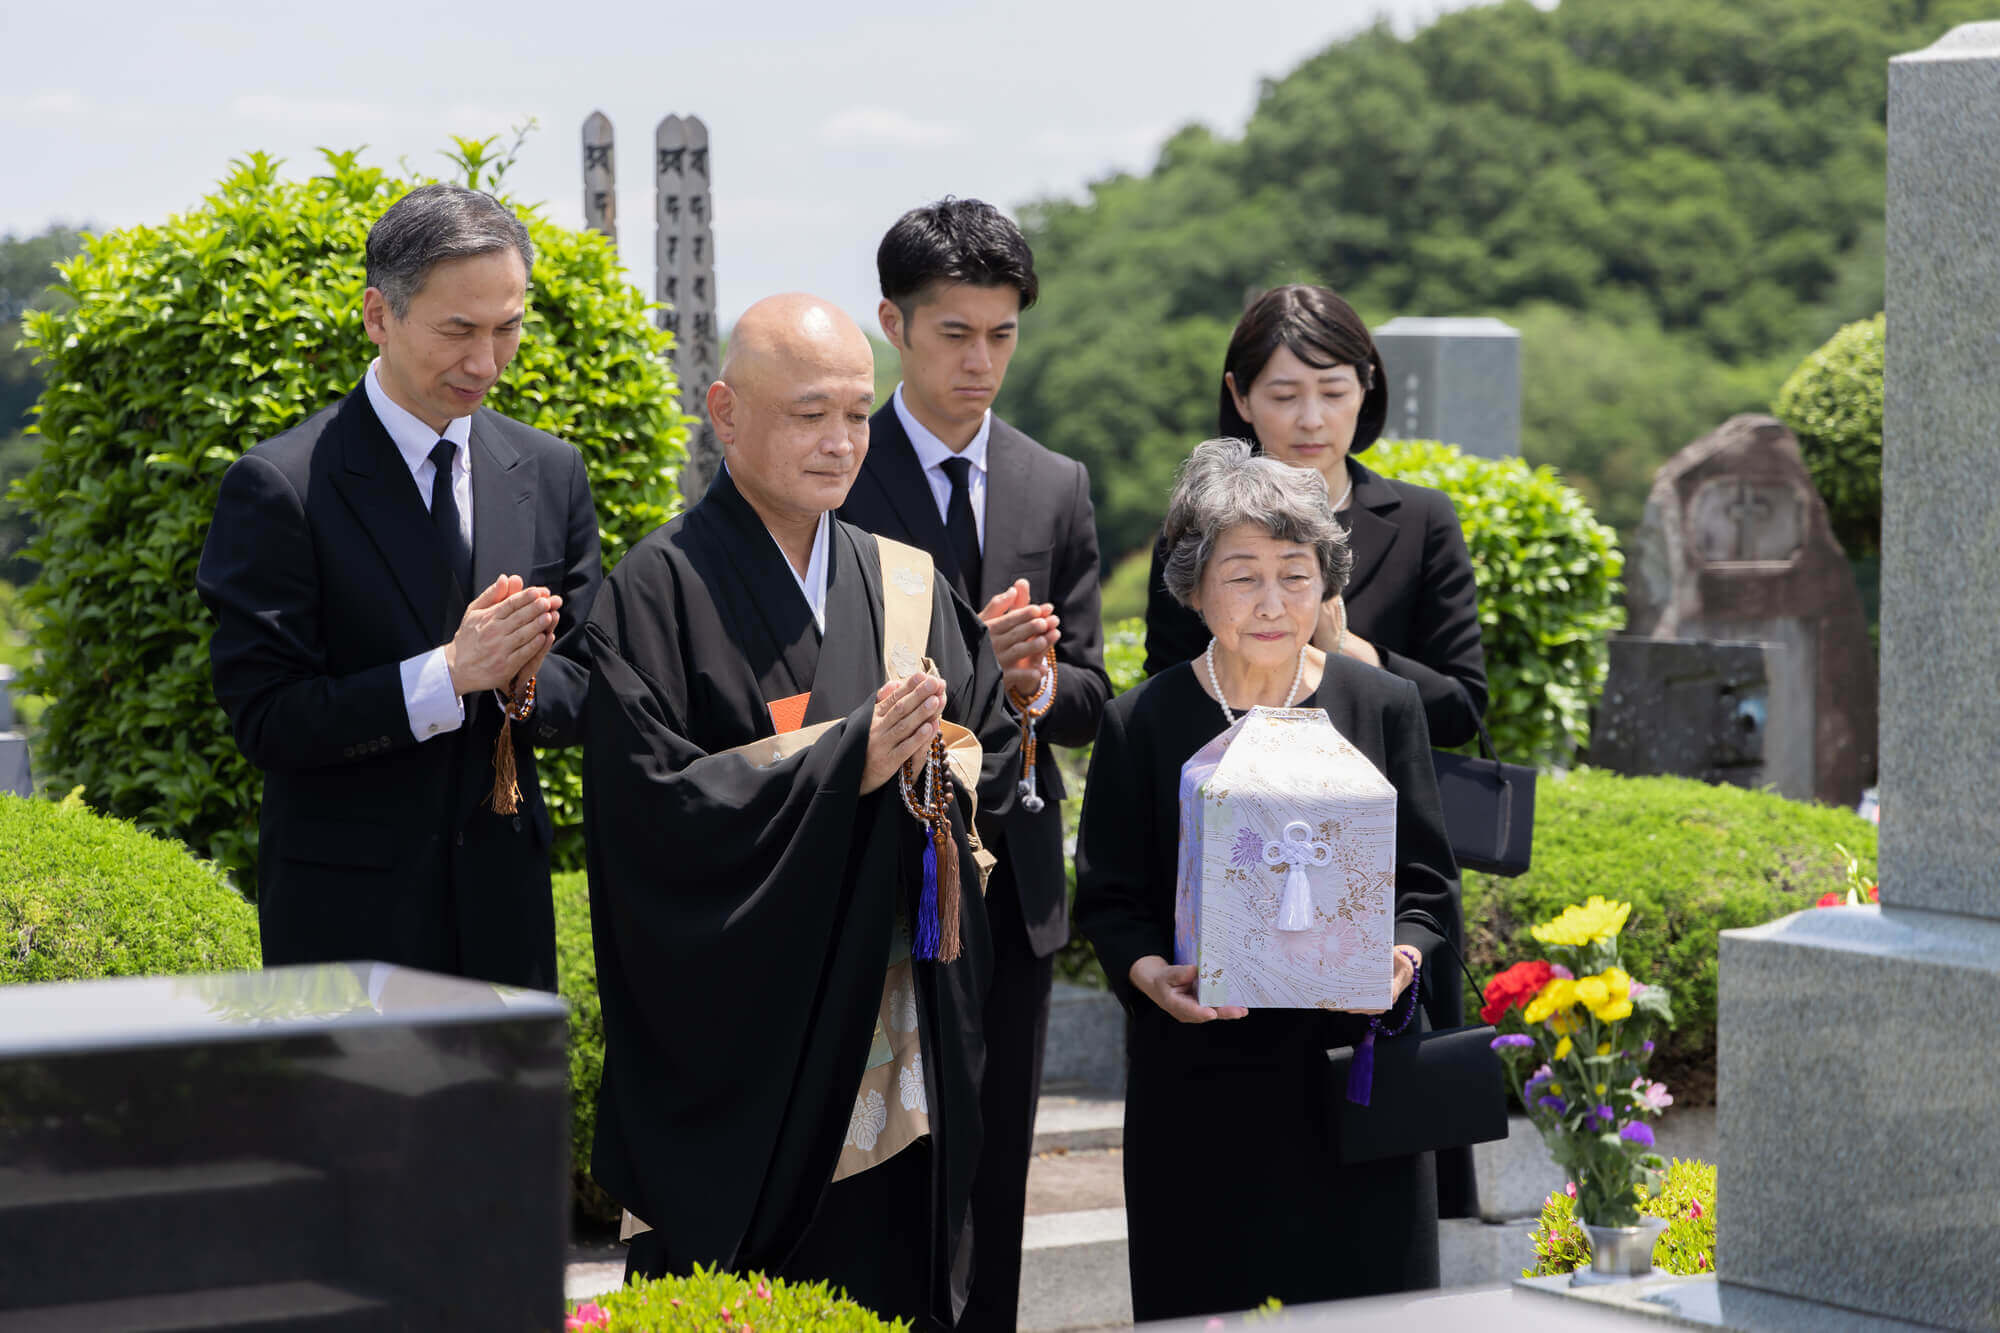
1833, 403
1700, 184
191, 341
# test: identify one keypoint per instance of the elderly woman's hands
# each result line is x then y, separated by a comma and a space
1172, 988
1407, 960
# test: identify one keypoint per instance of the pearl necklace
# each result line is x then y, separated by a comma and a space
1208, 659
1344, 494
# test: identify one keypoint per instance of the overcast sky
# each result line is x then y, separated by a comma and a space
826, 121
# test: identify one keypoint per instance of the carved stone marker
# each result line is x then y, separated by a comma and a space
600, 177
1736, 547
1684, 709
1456, 380
686, 280
1860, 1046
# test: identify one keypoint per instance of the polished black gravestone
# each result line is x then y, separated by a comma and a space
347, 1146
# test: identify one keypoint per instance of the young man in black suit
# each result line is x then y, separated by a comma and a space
1009, 526
386, 577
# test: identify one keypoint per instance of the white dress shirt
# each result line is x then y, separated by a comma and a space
434, 708
812, 584
932, 453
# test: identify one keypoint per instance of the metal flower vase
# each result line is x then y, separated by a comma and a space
1619, 1254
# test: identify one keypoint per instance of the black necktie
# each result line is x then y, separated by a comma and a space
444, 513
959, 528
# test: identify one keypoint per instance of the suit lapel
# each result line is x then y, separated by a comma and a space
377, 486
503, 506
893, 460
1008, 496
1371, 526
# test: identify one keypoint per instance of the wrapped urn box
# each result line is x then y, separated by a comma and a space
1287, 884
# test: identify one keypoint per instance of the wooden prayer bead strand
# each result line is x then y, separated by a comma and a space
506, 796
1032, 711
926, 794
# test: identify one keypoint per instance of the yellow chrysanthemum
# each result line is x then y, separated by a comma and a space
1604, 1048
1600, 1089
1567, 1022
1583, 924
1555, 1089
1554, 998
1608, 995
1562, 1049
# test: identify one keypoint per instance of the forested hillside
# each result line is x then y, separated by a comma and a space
1673, 201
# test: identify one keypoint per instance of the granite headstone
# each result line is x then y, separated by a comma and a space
1735, 546
1456, 380
1681, 708
346, 1146
1860, 1046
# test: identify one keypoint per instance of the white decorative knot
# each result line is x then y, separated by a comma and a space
1296, 846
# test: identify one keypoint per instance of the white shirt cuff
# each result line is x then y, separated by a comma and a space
433, 707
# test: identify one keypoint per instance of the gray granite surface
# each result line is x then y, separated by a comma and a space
1860, 1073
1704, 1302
1456, 380
1940, 484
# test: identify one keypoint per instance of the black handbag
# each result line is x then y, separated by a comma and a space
1489, 808
1431, 1090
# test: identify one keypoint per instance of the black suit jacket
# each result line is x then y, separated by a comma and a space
1411, 594
324, 573
1039, 527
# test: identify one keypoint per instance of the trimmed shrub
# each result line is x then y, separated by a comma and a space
712, 1301
1548, 591
1833, 403
84, 896
576, 978
1685, 1198
1692, 860
191, 341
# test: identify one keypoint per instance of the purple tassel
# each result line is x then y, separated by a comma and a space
1361, 1072
927, 905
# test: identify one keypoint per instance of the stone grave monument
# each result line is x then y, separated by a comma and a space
686, 284
1860, 1046
15, 775
1735, 546
600, 177
342, 1146
1456, 380
1683, 709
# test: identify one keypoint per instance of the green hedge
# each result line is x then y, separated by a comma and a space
1833, 403
717, 1302
187, 343
83, 896
1548, 591
1692, 860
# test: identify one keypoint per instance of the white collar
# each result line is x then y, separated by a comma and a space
813, 585
932, 451
414, 440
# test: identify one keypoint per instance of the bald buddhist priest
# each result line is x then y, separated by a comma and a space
791, 986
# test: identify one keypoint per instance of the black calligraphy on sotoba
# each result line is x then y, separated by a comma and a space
701, 287
700, 244
670, 204
670, 320
670, 160
596, 155
701, 162
671, 290
698, 207
704, 324
673, 249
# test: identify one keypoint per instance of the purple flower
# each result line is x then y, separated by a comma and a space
1558, 970
1556, 1104
1637, 1133
1247, 849
1647, 1049
1605, 1114
1518, 1040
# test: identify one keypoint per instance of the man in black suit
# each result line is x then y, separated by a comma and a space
387, 577
1009, 524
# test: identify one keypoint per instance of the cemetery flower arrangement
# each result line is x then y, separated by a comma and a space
1576, 1033
1684, 1199
1860, 889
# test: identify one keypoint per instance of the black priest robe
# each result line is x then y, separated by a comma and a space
743, 916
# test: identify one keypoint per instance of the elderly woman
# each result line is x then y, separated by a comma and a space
1234, 1191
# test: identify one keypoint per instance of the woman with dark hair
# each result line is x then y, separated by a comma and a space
1235, 1187
1303, 383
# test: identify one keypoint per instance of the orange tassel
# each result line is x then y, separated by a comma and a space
506, 797
947, 892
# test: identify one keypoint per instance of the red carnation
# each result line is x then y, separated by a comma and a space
1831, 900
1515, 986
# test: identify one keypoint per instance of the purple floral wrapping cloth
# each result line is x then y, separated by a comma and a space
1285, 895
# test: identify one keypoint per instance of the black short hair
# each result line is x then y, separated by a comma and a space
1321, 330
954, 240
435, 223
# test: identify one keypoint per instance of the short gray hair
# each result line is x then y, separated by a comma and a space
433, 224
1225, 483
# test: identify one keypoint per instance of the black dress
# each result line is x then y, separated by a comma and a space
1233, 1189
1411, 594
